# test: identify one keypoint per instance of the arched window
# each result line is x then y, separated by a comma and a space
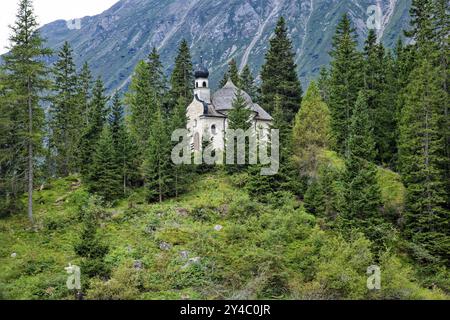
196, 84
204, 84
213, 129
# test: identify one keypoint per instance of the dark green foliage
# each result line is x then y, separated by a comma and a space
362, 193
279, 76
105, 174
157, 165
182, 80
345, 81
25, 73
90, 247
125, 150
84, 94
379, 83
65, 115
97, 119
248, 83
423, 162
232, 74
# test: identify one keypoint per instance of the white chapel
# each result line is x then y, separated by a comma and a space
207, 114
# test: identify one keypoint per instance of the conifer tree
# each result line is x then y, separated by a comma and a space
422, 161
84, 95
182, 79
248, 84
232, 73
90, 247
238, 119
25, 77
180, 172
345, 81
65, 113
324, 84
97, 119
362, 193
105, 178
279, 75
124, 149
157, 164
312, 132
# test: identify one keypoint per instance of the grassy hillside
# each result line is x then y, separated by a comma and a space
237, 248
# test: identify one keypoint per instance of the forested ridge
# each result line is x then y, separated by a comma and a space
364, 175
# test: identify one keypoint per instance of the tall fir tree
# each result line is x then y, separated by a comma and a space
124, 148
311, 133
104, 177
232, 74
422, 161
379, 84
248, 83
182, 79
157, 165
97, 119
84, 94
25, 78
65, 116
362, 193
279, 75
345, 81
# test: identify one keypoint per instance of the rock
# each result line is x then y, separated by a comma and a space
13, 255
182, 212
151, 229
129, 249
138, 265
191, 262
165, 246
184, 255
218, 227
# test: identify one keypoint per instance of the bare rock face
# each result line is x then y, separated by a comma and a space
114, 41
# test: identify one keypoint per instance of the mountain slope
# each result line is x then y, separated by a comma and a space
114, 41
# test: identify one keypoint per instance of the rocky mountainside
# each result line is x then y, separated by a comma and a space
114, 41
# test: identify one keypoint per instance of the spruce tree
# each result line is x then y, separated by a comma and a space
238, 119
279, 75
232, 73
248, 84
105, 178
65, 116
97, 119
84, 95
124, 149
157, 164
362, 193
422, 161
182, 79
312, 132
26, 79
345, 81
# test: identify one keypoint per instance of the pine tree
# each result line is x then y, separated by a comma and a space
232, 73
345, 81
182, 79
362, 193
124, 149
25, 77
90, 247
157, 165
279, 76
421, 12
65, 113
84, 95
181, 173
422, 161
238, 119
248, 83
312, 132
158, 81
97, 119
105, 178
